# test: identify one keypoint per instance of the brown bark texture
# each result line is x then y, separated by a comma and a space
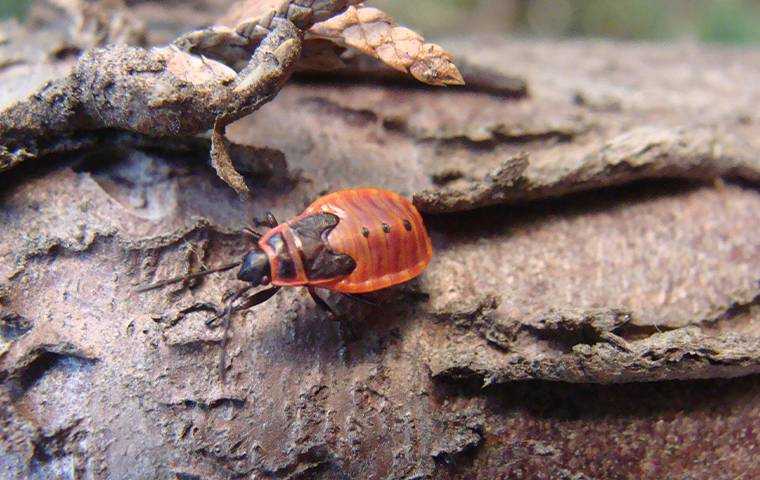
591, 311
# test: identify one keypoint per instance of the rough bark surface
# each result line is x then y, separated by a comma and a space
587, 336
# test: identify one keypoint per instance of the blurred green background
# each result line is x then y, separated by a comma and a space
728, 21
12, 8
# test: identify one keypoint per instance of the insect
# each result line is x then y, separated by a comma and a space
350, 241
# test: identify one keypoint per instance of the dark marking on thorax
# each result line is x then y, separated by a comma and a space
319, 261
286, 269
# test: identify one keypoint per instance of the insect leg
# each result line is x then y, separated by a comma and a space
268, 221
360, 299
321, 303
253, 233
256, 299
344, 328
249, 302
231, 299
226, 314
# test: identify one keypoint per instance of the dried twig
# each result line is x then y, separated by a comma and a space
162, 92
176, 91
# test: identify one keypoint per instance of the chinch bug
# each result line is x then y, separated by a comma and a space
350, 241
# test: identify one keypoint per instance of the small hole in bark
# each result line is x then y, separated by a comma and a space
13, 326
45, 362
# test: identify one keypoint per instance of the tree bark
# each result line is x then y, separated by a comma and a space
591, 310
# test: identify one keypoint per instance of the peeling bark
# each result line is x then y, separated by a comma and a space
597, 241
642, 153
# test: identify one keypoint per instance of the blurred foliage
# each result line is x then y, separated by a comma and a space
13, 8
734, 21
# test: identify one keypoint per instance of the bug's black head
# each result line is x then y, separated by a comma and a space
255, 268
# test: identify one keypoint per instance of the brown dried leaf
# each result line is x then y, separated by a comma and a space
222, 162
375, 33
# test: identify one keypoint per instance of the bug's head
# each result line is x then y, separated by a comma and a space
255, 268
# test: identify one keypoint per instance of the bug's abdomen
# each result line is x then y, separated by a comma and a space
382, 232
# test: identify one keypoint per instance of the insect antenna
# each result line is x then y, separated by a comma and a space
182, 278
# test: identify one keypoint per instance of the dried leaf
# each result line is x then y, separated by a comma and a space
375, 33
222, 162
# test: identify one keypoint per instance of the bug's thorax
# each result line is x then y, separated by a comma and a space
284, 256
299, 252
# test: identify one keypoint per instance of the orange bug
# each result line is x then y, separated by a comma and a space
350, 241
